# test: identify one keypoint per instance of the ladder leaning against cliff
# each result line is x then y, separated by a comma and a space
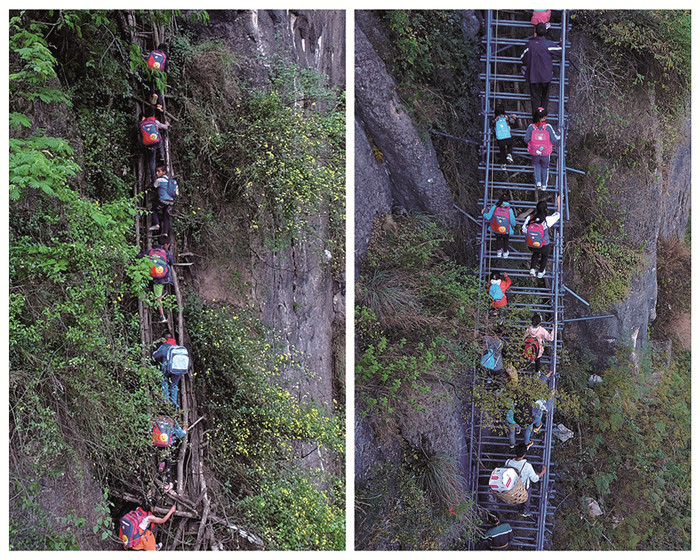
504, 41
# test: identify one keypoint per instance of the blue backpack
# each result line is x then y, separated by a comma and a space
173, 189
177, 362
502, 128
488, 360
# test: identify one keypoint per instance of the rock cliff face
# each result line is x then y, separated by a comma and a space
656, 200
293, 289
310, 38
415, 180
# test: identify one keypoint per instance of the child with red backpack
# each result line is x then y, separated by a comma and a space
538, 137
536, 231
501, 221
136, 528
535, 337
158, 61
161, 274
151, 139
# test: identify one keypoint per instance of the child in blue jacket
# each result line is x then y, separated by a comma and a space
502, 222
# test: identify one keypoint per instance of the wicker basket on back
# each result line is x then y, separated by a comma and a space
516, 495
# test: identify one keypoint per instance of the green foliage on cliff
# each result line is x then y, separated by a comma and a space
414, 341
262, 426
434, 61
81, 395
633, 459
73, 357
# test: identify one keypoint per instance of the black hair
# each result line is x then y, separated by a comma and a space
538, 114
540, 29
536, 319
495, 275
520, 449
505, 197
163, 239
162, 167
163, 47
148, 111
499, 110
540, 213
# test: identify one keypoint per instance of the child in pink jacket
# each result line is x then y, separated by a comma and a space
541, 334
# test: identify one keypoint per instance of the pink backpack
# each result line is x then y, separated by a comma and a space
540, 144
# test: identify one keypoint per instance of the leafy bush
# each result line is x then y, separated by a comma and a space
263, 425
635, 458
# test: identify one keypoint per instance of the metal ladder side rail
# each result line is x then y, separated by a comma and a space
558, 283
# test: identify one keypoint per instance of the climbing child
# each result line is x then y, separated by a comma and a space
501, 124
513, 427
526, 472
164, 433
175, 362
537, 236
497, 290
492, 359
150, 137
538, 67
167, 192
538, 138
158, 62
136, 528
502, 221
535, 337
161, 273
499, 536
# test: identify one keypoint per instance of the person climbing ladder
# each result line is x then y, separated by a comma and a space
160, 270
501, 221
167, 191
151, 139
175, 362
538, 138
536, 231
535, 337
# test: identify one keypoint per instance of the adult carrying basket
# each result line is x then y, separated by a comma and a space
507, 485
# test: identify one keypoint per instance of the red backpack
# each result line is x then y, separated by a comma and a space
129, 532
162, 432
500, 221
159, 258
536, 236
532, 348
156, 60
540, 143
149, 131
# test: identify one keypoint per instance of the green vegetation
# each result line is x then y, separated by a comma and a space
414, 341
81, 395
435, 65
627, 61
633, 458
261, 428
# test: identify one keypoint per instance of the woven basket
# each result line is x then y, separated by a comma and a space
516, 495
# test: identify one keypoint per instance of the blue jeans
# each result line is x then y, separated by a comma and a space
169, 384
511, 435
537, 413
541, 164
